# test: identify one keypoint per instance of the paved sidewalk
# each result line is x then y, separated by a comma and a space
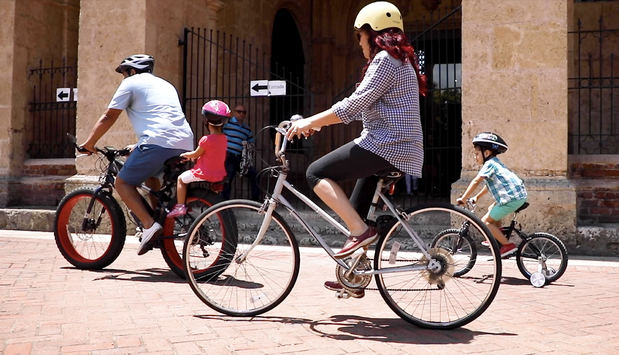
138, 306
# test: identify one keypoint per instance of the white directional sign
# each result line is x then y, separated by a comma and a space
63, 94
74, 94
267, 87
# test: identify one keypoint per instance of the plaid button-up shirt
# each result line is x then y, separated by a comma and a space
503, 184
387, 102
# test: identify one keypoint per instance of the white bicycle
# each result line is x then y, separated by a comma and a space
415, 280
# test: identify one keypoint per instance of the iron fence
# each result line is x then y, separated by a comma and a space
593, 95
51, 119
221, 66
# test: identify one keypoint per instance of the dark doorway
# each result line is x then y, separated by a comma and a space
287, 63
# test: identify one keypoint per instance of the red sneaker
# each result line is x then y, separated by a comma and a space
336, 286
355, 242
507, 250
178, 210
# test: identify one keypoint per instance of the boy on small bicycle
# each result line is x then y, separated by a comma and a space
210, 155
505, 186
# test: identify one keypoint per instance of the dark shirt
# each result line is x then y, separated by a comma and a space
237, 133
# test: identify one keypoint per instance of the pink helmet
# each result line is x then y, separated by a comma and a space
216, 112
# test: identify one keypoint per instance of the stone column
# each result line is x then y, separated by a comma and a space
112, 30
514, 82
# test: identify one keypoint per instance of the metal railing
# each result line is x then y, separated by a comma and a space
592, 93
51, 119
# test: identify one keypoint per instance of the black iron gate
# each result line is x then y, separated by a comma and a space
593, 89
220, 66
438, 43
52, 110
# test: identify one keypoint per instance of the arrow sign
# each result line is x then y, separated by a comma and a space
258, 87
62, 94
267, 88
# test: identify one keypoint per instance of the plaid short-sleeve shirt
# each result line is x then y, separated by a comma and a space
503, 184
387, 102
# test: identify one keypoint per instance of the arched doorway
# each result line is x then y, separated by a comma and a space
287, 63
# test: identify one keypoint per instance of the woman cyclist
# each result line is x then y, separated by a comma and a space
387, 102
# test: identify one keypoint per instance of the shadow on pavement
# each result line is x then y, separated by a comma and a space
144, 275
515, 281
350, 327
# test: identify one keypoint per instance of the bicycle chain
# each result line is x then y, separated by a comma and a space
400, 289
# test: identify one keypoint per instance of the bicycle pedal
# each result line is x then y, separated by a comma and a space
342, 295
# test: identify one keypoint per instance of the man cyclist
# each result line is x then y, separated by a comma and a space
154, 110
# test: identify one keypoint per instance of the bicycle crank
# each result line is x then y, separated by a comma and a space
350, 280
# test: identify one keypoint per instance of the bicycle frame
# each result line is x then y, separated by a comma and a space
277, 198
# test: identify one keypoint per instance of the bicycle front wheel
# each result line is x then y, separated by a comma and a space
460, 247
258, 275
418, 283
542, 252
89, 229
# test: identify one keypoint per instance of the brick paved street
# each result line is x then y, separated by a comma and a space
138, 306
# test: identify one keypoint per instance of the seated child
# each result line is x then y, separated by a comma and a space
505, 186
210, 154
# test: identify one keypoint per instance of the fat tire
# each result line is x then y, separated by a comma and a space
173, 255
64, 239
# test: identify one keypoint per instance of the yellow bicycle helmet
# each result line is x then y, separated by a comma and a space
380, 15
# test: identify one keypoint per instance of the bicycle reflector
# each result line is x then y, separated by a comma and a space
392, 189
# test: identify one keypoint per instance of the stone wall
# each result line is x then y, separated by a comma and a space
514, 83
113, 29
30, 31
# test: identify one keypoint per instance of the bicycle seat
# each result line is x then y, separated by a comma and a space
525, 205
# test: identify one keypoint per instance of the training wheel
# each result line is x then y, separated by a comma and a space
538, 279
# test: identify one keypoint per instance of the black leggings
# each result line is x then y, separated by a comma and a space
351, 162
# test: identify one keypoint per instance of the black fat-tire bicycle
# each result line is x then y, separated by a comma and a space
538, 255
90, 226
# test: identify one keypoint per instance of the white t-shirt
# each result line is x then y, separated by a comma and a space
154, 110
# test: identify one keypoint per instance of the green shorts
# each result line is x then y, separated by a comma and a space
498, 212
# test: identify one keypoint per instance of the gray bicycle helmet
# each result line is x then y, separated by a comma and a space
140, 62
490, 141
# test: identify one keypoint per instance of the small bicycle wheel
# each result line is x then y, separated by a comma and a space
460, 247
542, 252
175, 230
418, 283
89, 231
258, 275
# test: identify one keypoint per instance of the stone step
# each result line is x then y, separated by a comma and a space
600, 240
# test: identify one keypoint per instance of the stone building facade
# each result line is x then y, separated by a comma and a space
515, 69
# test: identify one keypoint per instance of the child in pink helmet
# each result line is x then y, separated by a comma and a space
209, 156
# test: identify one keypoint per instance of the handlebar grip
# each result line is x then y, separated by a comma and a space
278, 142
81, 149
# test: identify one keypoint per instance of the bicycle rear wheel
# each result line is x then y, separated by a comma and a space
175, 230
542, 252
255, 278
435, 298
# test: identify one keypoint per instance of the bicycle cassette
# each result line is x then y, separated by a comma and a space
445, 270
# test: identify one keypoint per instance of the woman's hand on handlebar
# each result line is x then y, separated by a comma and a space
301, 128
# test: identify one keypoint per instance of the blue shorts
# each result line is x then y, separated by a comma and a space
145, 161
498, 212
